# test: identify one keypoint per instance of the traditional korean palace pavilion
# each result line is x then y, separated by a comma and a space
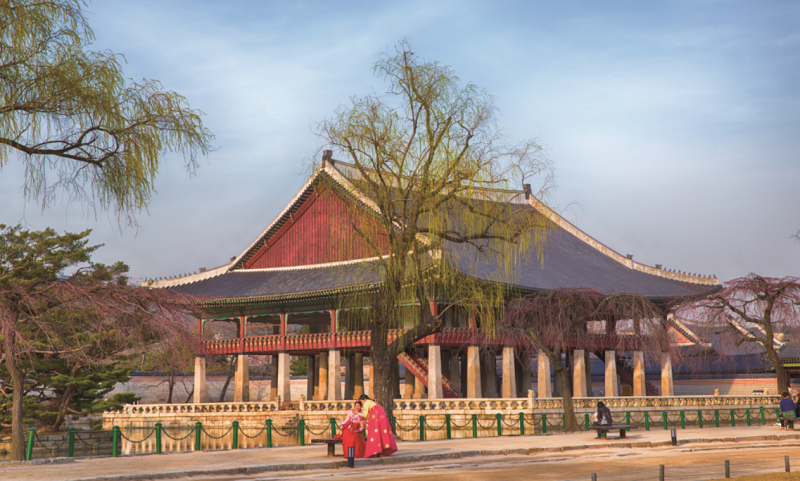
296, 273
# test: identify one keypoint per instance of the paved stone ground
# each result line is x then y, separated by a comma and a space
559, 456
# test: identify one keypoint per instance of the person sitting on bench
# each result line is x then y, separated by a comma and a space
787, 407
603, 415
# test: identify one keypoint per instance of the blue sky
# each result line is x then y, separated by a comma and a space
674, 127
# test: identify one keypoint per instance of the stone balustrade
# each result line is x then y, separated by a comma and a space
531, 404
205, 408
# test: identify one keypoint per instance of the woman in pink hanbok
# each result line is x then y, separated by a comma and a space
352, 431
380, 438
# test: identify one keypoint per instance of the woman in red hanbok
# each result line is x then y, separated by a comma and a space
380, 438
352, 431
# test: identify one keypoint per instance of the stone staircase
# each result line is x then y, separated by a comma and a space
419, 367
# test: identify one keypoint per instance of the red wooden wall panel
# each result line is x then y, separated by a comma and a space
321, 232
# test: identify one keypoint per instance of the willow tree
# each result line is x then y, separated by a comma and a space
561, 320
442, 186
78, 126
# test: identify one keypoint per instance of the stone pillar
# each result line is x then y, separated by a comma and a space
455, 372
474, 390
312, 372
323, 375
611, 380
490, 390
348, 377
358, 375
544, 385
408, 391
334, 375
419, 389
578, 373
667, 389
435, 390
200, 392
316, 377
284, 377
639, 388
587, 363
241, 383
509, 373
273, 377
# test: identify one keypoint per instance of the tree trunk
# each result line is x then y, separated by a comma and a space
17, 433
18, 381
570, 421
381, 373
62, 408
170, 387
189, 397
780, 372
231, 372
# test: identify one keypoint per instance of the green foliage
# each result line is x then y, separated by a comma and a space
70, 112
299, 366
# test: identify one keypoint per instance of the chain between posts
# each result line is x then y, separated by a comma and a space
166, 433
152, 431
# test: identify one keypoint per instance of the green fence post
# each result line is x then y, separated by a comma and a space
158, 438
333, 426
747, 413
115, 441
683, 420
198, 431
699, 418
627, 418
474, 425
564, 421
666, 420
716, 417
269, 433
544, 423
521, 424
422, 427
763, 418
394, 425
733, 419
447, 422
301, 426
777, 415
586, 420
646, 421
499, 421
235, 429
71, 446
29, 449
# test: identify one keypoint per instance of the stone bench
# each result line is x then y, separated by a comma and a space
331, 442
603, 430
